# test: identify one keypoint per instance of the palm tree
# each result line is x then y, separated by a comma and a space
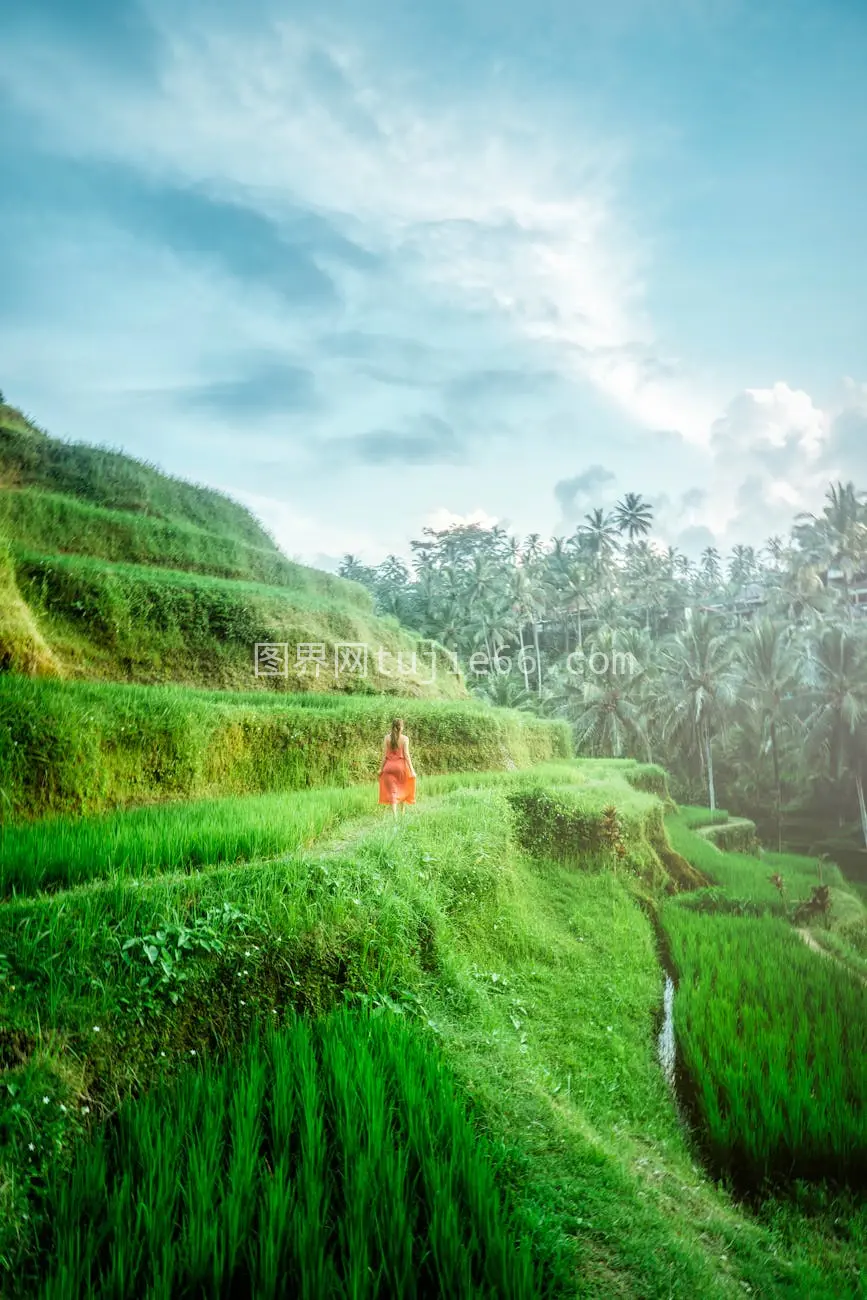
533, 549
523, 607
775, 549
352, 568
710, 568
769, 683
605, 706
598, 537
836, 671
742, 565
837, 539
504, 692
633, 516
700, 685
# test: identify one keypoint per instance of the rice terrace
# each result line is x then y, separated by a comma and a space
262, 1038
433, 650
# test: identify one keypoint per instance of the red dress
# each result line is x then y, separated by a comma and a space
395, 783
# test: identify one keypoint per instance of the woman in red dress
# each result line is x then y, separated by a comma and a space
396, 773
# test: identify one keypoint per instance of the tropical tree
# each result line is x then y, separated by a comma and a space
768, 685
604, 703
700, 684
742, 565
598, 537
836, 673
633, 516
836, 540
710, 568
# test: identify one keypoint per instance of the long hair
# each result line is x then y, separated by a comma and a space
396, 733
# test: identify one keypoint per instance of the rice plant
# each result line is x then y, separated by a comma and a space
62, 852
328, 1158
774, 1043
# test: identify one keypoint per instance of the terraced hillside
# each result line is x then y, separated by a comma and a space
112, 570
291, 1043
258, 1037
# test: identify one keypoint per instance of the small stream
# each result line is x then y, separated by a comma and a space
666, 1046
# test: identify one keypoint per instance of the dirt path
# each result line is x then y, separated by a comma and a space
716, 828
812, 943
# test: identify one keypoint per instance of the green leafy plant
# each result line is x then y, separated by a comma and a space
166, 952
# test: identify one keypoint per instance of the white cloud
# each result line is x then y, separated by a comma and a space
306, 537
443, 518
771, 456
470, 203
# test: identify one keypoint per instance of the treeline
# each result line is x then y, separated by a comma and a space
745, 675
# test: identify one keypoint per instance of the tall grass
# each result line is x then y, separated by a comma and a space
774, 1041
138, 623
118, 482
62, 852
328, 1159
49, 523
75, 747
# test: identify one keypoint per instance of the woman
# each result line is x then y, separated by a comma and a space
396, 772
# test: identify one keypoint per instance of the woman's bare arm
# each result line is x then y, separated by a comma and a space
384, 755
412, 771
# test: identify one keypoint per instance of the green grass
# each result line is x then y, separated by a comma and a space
540, 982
76, 747
45, 523
747, 878
774, 1041
148, 624
23, 649
693, 817
133, 843
335, 1154
114, 480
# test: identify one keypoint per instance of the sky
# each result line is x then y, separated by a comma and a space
372, 267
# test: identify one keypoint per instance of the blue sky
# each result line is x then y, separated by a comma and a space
373, 266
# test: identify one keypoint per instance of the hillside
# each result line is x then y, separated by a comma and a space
111, 570
271, 1038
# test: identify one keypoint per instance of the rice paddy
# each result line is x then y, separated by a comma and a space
508, 1002
747, 878
775, 1045
64, 852
336, 1153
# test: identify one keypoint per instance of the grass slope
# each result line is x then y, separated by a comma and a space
30, 458
122, 573
76, 747
48, 523
152, 625
537, 983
